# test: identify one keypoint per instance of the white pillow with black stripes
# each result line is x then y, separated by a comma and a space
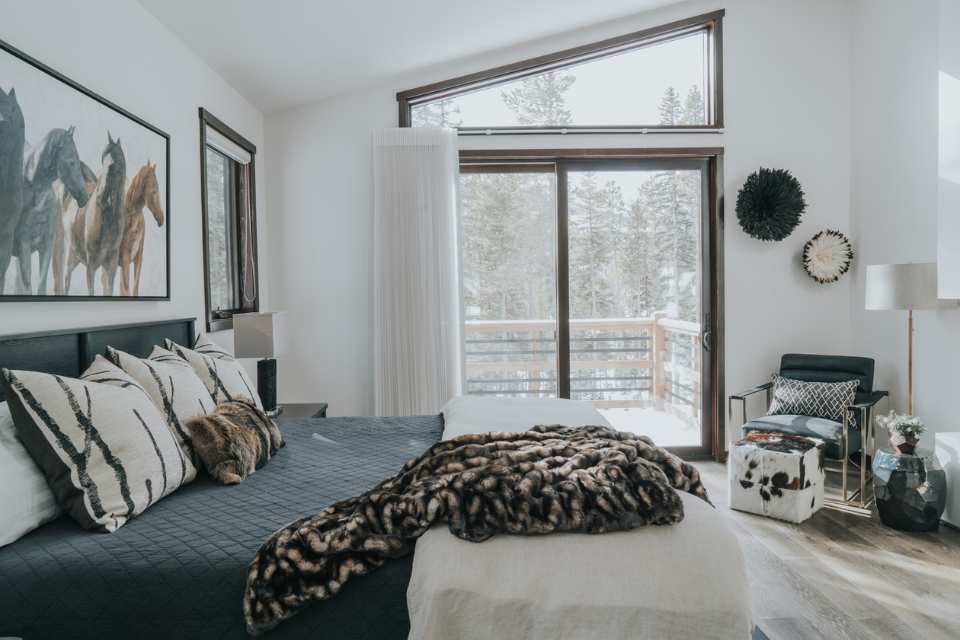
224, 376
174, 388
103, 446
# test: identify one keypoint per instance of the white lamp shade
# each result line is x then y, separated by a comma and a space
902, 286
258, 335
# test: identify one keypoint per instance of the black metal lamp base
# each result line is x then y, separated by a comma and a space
267, 384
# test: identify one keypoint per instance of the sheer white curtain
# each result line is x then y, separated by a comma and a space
415, 270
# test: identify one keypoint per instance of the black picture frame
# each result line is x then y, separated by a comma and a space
11, 50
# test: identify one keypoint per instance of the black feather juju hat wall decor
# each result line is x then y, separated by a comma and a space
770, 204
827, 256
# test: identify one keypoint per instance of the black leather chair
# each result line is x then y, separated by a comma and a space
846, 440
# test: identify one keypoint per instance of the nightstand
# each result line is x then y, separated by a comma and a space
303, 410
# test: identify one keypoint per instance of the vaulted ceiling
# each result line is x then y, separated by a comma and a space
281, 53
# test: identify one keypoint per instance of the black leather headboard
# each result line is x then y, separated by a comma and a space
818, 368
69, 351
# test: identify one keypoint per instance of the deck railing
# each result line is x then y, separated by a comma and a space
617, 362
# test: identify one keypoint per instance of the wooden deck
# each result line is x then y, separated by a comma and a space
614, 362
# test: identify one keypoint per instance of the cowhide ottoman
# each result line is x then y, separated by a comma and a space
777, 475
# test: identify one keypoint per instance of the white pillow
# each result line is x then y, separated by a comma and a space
26, 501
224, 376
105, 449
479, 414
175, 389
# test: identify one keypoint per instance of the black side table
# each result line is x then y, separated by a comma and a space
910, 490
303, 410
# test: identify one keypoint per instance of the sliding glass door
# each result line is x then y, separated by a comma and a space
594, 279
634, 289
509, 254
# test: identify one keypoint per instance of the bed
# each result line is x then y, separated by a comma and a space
652, 582
178, 570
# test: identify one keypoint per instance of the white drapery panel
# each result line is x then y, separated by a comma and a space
415, 270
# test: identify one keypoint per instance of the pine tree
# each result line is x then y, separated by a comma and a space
615, 210
637, 260
671, 111
693, 112
508, 249
669, 203
591, 238
440, 113
540, 100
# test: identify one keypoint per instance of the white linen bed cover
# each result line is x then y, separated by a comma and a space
682, 581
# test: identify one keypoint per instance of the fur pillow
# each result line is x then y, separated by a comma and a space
234, 441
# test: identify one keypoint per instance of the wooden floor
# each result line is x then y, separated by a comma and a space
842, 576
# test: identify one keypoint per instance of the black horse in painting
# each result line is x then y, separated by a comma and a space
55, 158
11, 176
98, 229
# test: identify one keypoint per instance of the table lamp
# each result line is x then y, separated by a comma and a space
260, 335
911, 287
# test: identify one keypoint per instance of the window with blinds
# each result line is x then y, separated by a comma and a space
229, 222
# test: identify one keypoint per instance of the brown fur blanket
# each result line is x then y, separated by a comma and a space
548, 479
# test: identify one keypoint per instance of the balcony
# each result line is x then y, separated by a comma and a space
642, 374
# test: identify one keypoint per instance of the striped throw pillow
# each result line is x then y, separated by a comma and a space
173, 387
104, 448
224, 376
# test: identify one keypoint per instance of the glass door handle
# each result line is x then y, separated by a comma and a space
707, 340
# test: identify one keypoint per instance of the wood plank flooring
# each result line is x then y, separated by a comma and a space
840, 576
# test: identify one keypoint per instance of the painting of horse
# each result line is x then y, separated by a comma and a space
98, 229
72, 216
11, 175
55, 158
144, 192
69, 208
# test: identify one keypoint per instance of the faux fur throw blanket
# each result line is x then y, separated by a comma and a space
548, 479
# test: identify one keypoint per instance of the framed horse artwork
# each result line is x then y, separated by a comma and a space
84, 192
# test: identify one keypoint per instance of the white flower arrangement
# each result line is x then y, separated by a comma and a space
906, 425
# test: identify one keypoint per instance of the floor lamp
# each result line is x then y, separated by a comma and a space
910, 287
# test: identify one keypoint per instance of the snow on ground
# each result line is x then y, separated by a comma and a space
665, 429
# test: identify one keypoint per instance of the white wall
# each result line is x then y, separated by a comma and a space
117, 49
894, 206
948, 224
787, 104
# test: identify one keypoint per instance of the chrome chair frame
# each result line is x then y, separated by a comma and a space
856, 502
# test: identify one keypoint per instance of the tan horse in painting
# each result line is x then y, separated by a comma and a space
69, 208
97, 230
144, 191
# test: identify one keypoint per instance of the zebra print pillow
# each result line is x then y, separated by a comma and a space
103, 446
175, 389
225, 377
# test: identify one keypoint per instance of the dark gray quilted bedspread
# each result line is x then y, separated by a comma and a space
178, 570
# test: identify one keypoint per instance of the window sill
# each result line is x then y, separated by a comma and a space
566, 131
219, 324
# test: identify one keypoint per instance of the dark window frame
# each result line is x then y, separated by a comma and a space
712, 22
244, 218
713, 435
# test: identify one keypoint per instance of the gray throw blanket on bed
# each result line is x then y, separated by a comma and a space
548, 479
